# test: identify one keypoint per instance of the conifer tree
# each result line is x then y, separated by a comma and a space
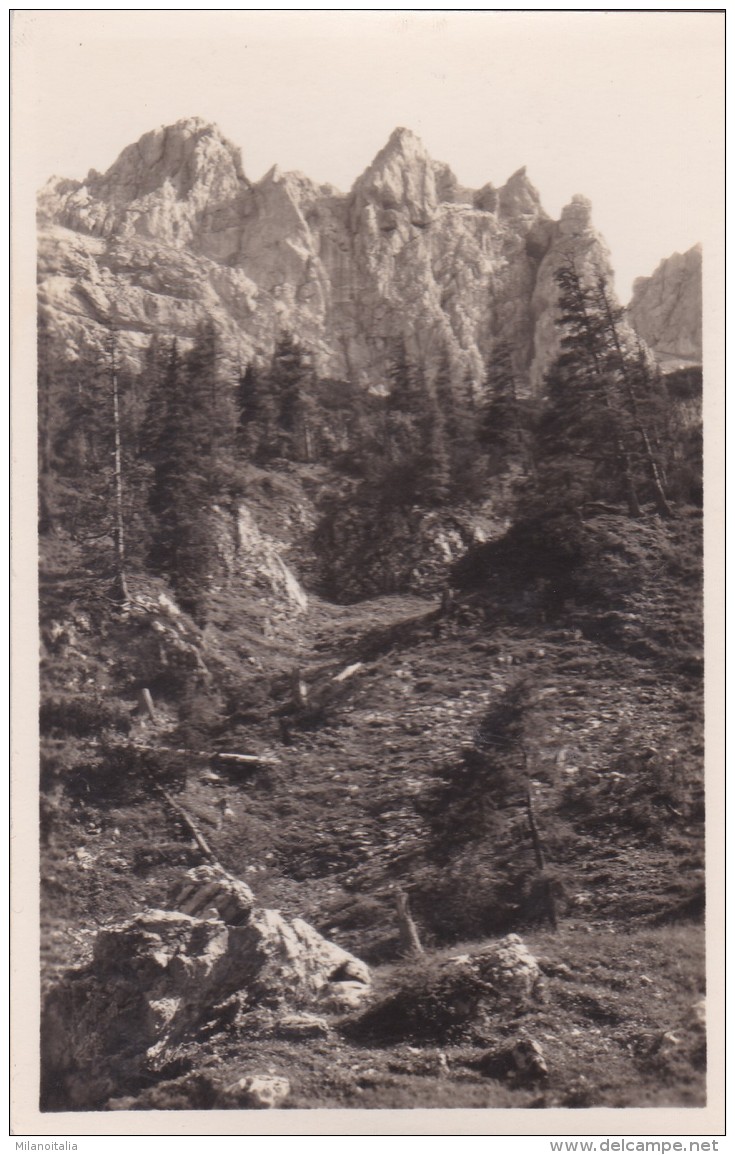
291, 386
448, 403
433, 464
186, 475
456, 408
584, 441
637, 390
249, 416
91, 474
501, 431
119, 587
48, 368
403, 409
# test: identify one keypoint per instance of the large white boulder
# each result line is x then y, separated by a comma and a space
156, 977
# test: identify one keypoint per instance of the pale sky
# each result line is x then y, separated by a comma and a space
626, 108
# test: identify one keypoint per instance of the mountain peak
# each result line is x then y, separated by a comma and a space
403, 179
402, 147
194, 125
405, 138
519, 197
576, 217
287, 252
191, 153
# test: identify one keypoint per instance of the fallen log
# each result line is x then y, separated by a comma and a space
190, 825
217, 755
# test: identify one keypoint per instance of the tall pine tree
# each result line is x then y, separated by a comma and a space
192, 467
584, 442
501, 431
639, 395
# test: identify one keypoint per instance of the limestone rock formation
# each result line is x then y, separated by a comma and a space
174, 231
156, 978
666, 308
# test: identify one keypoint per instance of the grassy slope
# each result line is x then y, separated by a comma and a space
348, 810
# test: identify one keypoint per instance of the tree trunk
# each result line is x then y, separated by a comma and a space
631, 497
538, 849
145, 703
407, 930
191, 826
659, 495
299, 689
119, 589
547, 886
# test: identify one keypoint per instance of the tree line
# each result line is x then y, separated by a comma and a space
135, 465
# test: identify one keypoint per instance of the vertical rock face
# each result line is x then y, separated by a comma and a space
174, 232
666, 308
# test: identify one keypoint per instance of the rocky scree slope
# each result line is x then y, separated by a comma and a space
175, 232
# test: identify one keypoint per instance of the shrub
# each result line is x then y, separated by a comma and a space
122, 774
641, 791
82, 716
469, 897
471, 792
201, 716
436, 1002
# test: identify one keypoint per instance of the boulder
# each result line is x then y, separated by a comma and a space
511, 970
303, 1026
206, 888
255, 1092
698, 1014
158, 977
522, 1061
201, 1091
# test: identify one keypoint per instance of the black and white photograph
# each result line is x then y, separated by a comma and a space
366, 764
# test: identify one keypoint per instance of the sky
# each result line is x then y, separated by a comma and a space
626, 108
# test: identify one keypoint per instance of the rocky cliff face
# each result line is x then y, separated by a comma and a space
666, 308
174, 231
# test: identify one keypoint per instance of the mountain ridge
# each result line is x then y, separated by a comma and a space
407, 252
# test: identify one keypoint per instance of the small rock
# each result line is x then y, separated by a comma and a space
352, 970
557, 970
255, 1092
699, 1013
304, 1026
344, 996
523, 1061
